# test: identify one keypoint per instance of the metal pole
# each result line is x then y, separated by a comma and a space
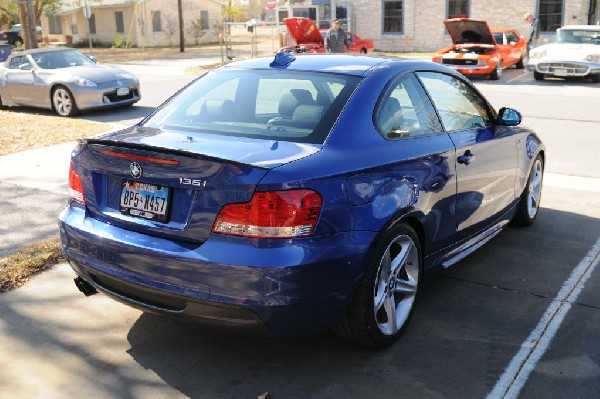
88, 14
181, 36
333, 12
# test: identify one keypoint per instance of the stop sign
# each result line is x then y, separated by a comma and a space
271, 4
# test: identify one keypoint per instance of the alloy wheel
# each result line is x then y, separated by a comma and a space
63, 103
535, 188
396, 285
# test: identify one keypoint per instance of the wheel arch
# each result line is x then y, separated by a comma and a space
53, 87
414, 222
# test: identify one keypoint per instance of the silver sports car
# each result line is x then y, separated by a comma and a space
64, 80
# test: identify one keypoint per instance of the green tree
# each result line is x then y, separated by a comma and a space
234, 11
196, 30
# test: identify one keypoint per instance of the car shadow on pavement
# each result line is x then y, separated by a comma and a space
468, 324
124, 115
458, 344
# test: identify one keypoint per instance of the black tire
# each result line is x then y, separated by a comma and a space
521, 63
382, 305
529, 203
63, 101
538, 75
18, 42
595, 78
363, 51
497, 72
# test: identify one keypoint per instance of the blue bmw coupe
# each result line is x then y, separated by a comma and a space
287, 196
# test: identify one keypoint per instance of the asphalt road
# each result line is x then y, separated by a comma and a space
518, 318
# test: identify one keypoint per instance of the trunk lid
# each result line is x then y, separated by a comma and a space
182, 181
467, 31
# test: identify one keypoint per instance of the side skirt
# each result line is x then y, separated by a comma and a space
474, 243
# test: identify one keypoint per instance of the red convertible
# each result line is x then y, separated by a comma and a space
309, 39
479, 50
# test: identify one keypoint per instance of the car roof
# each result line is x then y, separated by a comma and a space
347, 64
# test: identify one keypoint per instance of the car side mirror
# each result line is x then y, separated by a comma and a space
509, 117
91, 57
26, 66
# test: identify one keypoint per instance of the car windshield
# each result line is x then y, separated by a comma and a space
60, 59
265, 104
578, 36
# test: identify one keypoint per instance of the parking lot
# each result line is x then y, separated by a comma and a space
518, 318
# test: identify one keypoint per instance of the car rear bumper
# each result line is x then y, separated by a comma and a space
265, 287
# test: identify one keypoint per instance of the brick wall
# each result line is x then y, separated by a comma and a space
423, 27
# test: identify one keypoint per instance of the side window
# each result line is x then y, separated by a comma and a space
459, 106
15, 62
405, 111
511, 37
499, 37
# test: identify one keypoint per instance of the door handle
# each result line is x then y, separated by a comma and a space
466, 158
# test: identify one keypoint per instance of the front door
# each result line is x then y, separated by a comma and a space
486, 156
22, 82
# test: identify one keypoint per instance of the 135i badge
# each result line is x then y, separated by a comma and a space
192, 182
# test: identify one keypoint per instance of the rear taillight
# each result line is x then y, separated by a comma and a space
75, 186
272, 214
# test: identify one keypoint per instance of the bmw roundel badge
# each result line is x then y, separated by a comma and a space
135, 169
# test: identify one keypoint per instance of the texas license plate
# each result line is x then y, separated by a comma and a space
148, 201
122, 91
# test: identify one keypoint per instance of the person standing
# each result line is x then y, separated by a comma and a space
533, 30
336, 39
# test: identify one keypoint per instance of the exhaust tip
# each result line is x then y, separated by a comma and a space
86, 288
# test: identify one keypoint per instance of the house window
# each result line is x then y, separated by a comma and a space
92, 24
156, 21
550, 14
204, 20
458, 9
55, 25
74, 27
393, 16
119, 21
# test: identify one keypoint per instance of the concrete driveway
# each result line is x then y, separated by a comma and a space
470, 325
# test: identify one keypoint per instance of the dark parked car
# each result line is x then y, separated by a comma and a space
291, 195
14, 36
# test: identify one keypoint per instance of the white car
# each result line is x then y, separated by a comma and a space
574, 54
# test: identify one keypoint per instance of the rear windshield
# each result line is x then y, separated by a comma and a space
278, 105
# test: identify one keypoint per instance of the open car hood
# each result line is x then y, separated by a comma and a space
303, 30
467, 31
